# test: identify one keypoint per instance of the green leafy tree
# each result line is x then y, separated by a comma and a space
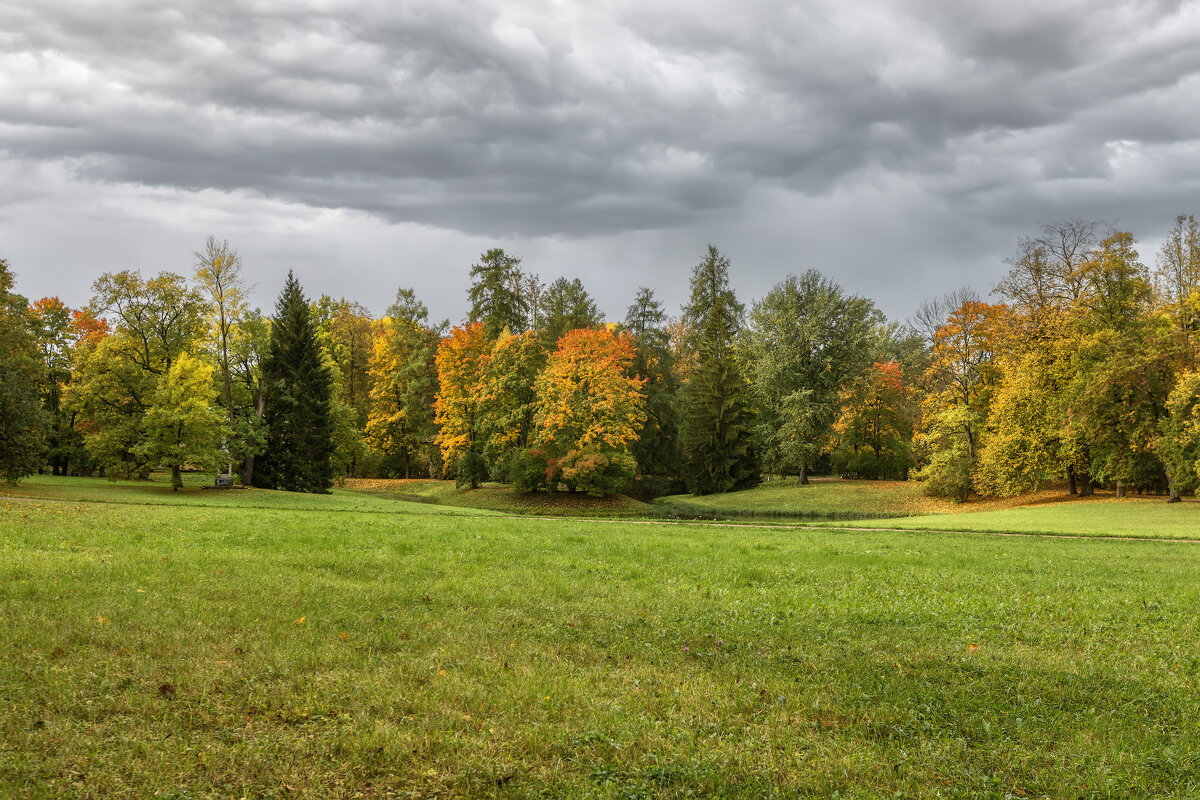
23, 424
55, 336
807, 343
404, 387
183, 426
496, 296
507, 397
154, 321
1178, 443
298, 401
716, 430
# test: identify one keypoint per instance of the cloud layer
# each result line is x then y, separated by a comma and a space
897, 146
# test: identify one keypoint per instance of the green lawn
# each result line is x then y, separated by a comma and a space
1133, 517
502, 498
823, 498
158, 492
190, 651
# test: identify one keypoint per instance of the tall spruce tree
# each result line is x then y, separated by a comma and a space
298, 388
716, 427
657, 446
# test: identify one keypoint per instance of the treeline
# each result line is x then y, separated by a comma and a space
1084, 372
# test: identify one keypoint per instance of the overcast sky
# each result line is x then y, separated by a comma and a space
899, 147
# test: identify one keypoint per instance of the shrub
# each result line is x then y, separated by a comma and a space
472, 470
600, 474
530, 470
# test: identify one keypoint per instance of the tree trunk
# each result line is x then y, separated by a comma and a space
803, 475
1120, 490
248, 470
1173, 495
1087, 489
1071, 487
176, 479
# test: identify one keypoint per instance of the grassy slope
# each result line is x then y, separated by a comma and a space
497, 497
1133, 517
158, 492
271, 652
821, 498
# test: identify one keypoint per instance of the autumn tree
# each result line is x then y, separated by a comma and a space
589, 410
806, 343
495, 294
183, 424
959, 382
297, 404
507, 395
1178, 442
219, 273
461, 363
1177, 280
716, 427
154, 321
23, 422
874, 432
403, 384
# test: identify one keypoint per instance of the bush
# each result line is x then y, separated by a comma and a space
530, 470
598, 474
472, 470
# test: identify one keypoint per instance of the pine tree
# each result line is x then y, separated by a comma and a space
716, 428
298, 399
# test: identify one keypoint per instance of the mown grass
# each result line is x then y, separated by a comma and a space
502, 498
1139, 517
157, 491
822, 498
193, 652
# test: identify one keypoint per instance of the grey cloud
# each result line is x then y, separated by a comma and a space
958, 125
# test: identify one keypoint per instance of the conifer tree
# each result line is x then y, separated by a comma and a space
496, 299
298, 388
716, 428
657, 446
565, 306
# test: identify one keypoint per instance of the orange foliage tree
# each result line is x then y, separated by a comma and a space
586, 399
461, 364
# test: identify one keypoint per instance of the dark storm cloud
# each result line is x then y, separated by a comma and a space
553, 120
950, 128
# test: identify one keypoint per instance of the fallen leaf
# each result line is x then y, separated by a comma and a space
972, 648
101, 620
300, 621
345, 637
166, 690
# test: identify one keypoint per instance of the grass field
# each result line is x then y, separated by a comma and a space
501, 498
281, 646
828, 498
1131, 517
